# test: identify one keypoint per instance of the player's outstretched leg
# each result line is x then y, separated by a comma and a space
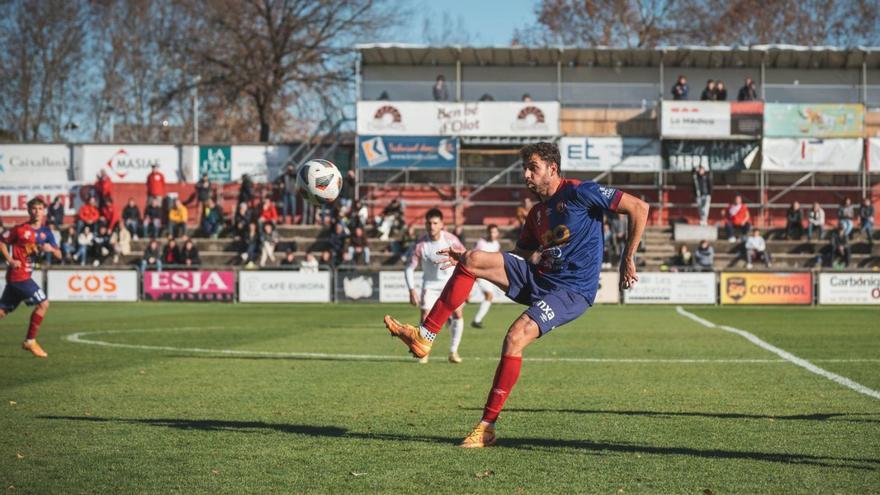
30, 343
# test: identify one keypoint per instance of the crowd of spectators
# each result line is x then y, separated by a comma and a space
715, 90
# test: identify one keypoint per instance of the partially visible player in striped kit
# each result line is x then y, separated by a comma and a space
489, 245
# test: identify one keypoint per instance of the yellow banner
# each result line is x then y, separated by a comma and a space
766, 288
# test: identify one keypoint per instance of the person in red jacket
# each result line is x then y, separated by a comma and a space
103, 188
268, 213
109, 214
737, 215
88, 216
155, 185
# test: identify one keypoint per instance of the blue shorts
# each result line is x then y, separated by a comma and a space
15, 293
549, 306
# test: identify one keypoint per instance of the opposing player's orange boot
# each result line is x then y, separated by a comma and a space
482, 436
34, 348
418, 345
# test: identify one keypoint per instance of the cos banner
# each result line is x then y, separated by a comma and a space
812, 155
28, 164
128, 164
813, 120
695, 119
93, 285
189, 286
766, 288
610, 153
283, 286
407, 152
672, 288
383, 118
713, 155
849, 288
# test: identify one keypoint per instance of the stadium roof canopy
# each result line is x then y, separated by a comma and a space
772, 56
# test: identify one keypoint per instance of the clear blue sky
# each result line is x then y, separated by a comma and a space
488, 22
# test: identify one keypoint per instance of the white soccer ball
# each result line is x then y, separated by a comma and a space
319, 181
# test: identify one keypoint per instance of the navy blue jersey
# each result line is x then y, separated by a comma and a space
567, 229
44, 235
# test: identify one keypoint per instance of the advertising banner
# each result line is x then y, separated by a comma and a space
216, 161
873, 158
695, 119
609, 288
849, 288
610, 153
392, 286
189, 286
766, 288
283, 286
673, 288
128, 163
746, 118
13, 199
713, 155
26, 164
93, 285
407, 152
430, 118
37, 276
812, 155
262, 163
814, 120
357, 286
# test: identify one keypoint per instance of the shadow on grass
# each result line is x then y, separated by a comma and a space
595, 447
837, 417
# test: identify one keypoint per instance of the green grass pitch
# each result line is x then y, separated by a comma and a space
624, 400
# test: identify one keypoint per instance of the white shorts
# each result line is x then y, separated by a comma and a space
485, 286
429, 297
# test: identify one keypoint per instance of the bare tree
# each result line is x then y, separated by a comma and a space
41, 47
444, 29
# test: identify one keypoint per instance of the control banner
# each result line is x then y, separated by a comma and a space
766, 288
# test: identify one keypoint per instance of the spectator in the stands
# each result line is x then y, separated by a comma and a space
408, 237
109, 215
55, 215
88, 216
189, 255
268, 212
359, 247
249, 244
121, 239
392, 217
618, 224
737, 217
720, 91
683, 259
702, 192
212, 219
816, 220
704, 256
680, 89
522, 212
155, 186
103, 246
841, 252
709, 93
287, 184
243, 217
268, 241
310, 264
526, 98
171, 253
289, 259
362, 213
846, 214
103, 187
177, 218
337, 242
459, 232
84, 244
866, 220
748, 92
131, 218
486, 97
69, 244
384, 96
153, 218
439, 89
152, 258
246, 190
204, 191
794, 222
349, 183
756, 248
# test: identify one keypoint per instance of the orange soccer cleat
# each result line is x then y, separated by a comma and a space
34, 348
418, 345
482, 436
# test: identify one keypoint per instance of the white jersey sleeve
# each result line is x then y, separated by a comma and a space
414, 260
488, 246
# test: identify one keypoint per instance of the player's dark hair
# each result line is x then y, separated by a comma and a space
548, 152
433, 213
36, 201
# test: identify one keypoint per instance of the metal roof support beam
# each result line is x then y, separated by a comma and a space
559, 77
458, 76
763, 80
864, 80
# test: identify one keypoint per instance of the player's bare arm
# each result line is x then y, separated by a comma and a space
637, 211
54, 250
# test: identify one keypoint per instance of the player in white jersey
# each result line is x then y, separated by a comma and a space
425, 253
490, 245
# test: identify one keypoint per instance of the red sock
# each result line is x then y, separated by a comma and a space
505, 378
36, 319
454, 295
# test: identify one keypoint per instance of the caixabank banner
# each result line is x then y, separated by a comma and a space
766, 288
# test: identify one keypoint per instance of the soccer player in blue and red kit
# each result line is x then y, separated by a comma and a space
554, 270
18, 246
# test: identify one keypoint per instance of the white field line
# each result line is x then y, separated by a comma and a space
79, 338
842, 380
